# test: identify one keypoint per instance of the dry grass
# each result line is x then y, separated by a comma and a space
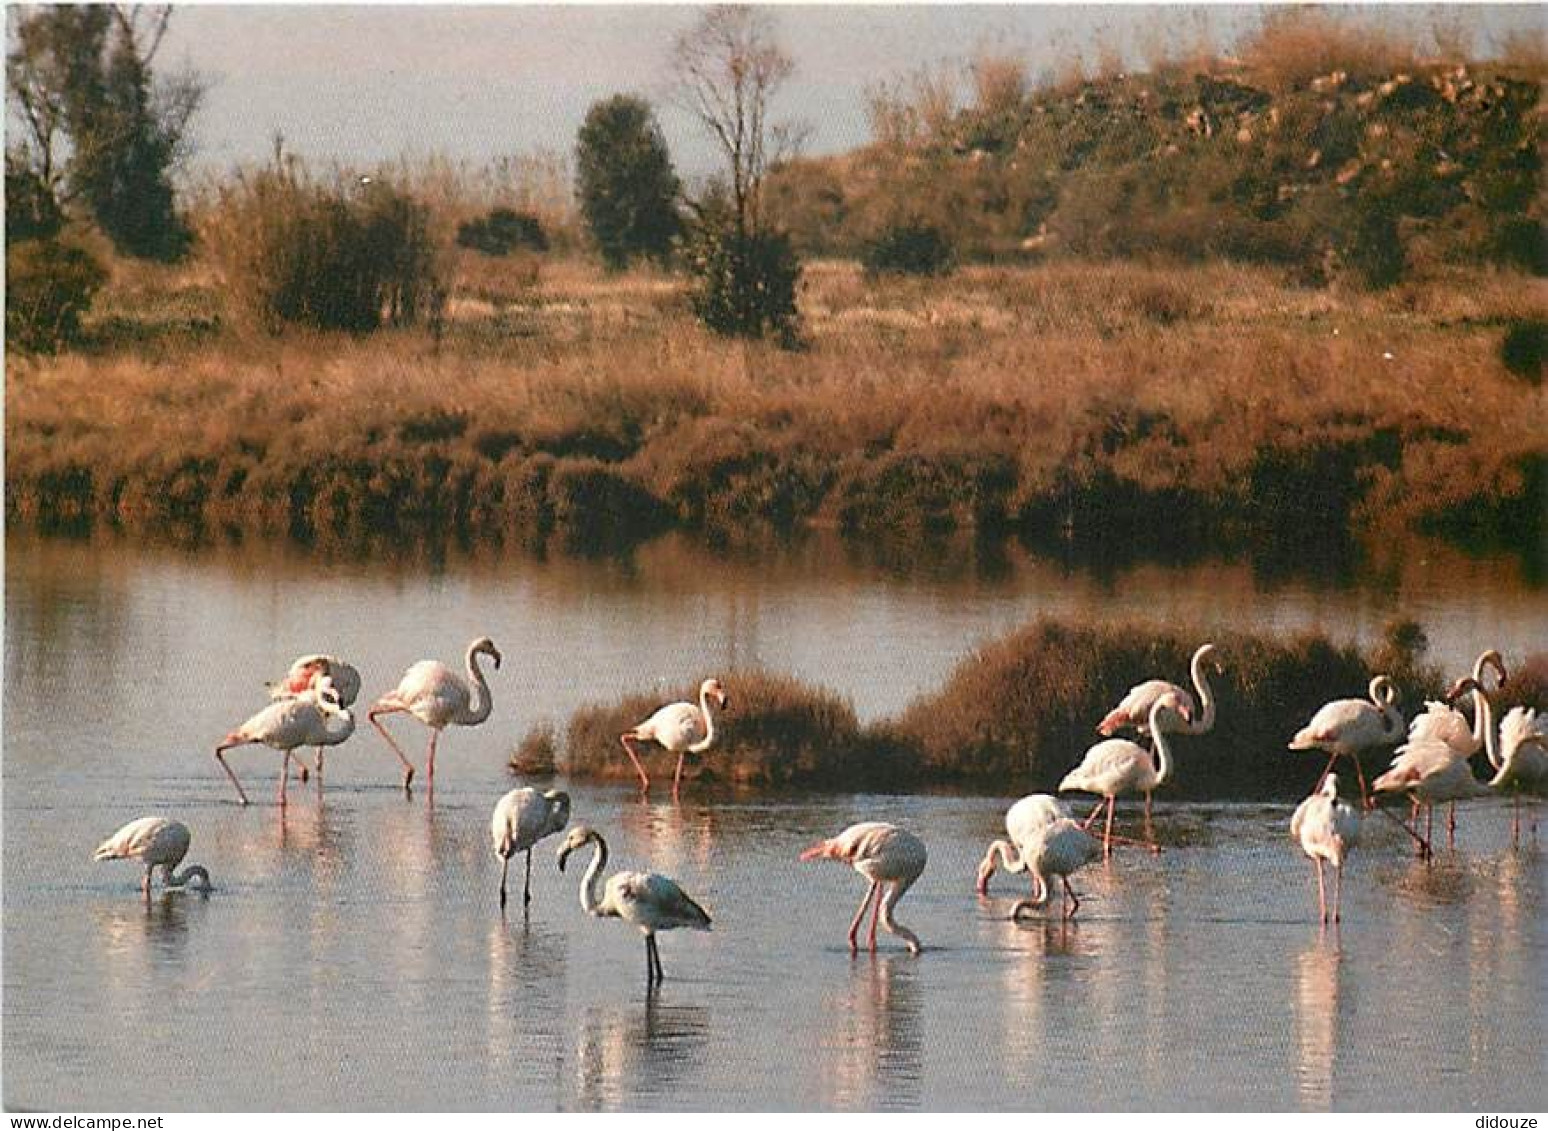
1007, 397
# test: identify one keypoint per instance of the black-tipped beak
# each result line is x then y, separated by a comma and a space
564, 854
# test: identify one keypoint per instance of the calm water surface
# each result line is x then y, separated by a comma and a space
354, 956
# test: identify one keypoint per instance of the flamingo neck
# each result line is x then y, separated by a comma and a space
1206, 695
1480, 697
709, 725
192, 872
338, 734
591, 882
1009, 859
1485, 720
481, 704
1163, 752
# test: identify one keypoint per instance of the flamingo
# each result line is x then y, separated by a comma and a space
1519, 753
285, 724
157, 842
1348, 726
1120, 766
682, 728
1327, 829
522, 818
885, 855
1442, 721
346, 681
438, 697
1059, 848
650, 901
1023, 820
1133, 709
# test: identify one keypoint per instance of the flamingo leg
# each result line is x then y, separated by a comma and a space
854, 926
1086, 824
505, 864
526, 892
1326, 770
1322, 897
145, 883
1071, 900
628, 745
1451, 825
1423, 847
677, 777
650, 965
408, 767
875, 915
1365, 796
284, 776
1338, 891
430, 768
220, 756
1515, 822
1429, 831
1107, 835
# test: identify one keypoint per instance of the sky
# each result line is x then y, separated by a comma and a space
356, 85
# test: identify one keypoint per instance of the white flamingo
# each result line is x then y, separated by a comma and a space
1348, 726
1120, 766
650, 901
1327, 829
1441, 721
683, 728
889, 857
1524, 763
1059, 848
438, 697
1023, 821
155, 842
522, 818
285, 724
1133, 709
301, 674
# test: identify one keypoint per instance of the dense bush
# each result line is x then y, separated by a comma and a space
909, 249
48, 286
625, 181
335, 257
1524, 348
744, 282
31, 212
502, 232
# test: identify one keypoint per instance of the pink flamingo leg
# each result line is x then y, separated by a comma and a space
677, 778
1107, 836
1071, 900
875, 915
1322, 898
408, 767
284, 776
1366, 801
430, 768
1086, 824
628, 745
1338, 892
1451, 825
854, 926
220, 757
1326, 770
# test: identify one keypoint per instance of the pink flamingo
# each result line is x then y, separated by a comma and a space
1133, 709
301, 674
438, 697
887, 856
682, 728
1023, 821
1348, 726
1120, 766
285, 724
1443, 722
522, 818
1059, 848
157, 842
1327, 829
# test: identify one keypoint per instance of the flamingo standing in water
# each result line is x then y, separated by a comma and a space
157, 842
1120, 766
650, 901
1023, 820
1133, 709
1523, 766
438, 697
1327, 829
1443, 722
346, 681
285, 724
522, 818
1348, 726
682, 728
889, 857
1059, 848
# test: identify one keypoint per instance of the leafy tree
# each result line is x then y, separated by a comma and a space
624, 177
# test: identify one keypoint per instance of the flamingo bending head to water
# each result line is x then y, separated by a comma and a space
1023, 820
307, 719
650, 901
522, 818
887, 856
157, 842
1059, 848
438, 697
1327, 829
682, 728
1347, 726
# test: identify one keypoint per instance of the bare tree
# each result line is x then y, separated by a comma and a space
726, 69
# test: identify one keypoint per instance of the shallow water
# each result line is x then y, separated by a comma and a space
353, 955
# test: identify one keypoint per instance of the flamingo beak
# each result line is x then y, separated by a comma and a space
816, 851
564, 854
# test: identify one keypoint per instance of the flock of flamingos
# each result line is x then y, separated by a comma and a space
310, 707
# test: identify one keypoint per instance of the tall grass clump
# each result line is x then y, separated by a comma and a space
49, 285
352, 254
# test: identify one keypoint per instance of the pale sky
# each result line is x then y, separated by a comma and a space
361, 84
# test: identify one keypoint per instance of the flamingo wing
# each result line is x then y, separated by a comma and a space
676, 726
652, 900
1031, 814
149, 838
1111, 766
1446, 724
432, 692
1344, 723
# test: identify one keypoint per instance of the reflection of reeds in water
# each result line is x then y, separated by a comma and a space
638, 1054
1316, 1023
873, 1046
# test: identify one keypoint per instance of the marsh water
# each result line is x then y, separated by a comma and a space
353, 954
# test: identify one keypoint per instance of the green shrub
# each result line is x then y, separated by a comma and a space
625, 183
31, 212
909, 249
744, 282
502, 232
349, 256
1524, 347
48, 286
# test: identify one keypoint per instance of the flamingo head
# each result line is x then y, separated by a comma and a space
985, 870
574, 839
1209, 652
1490, 659
1172, 704
1330, 786
1462, 686
823, 850
711, 689
487, 647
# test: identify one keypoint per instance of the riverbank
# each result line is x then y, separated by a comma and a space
1019, 713
1085, 403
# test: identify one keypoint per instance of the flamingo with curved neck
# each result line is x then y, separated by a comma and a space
158, 842
1345, 727
682, 728
438, 697
1134, 709
1119, 766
